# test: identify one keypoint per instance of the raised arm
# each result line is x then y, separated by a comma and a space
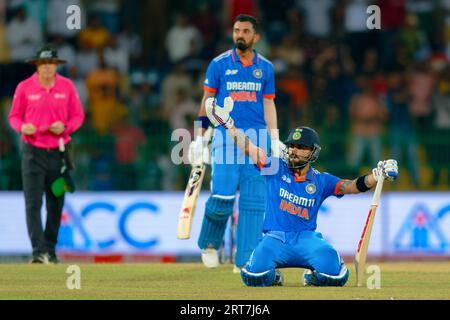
255, 153
386, 168
220, 116
270, 115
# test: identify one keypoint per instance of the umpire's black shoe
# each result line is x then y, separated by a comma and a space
52, 258
42, 258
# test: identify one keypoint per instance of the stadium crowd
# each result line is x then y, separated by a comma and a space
139, 68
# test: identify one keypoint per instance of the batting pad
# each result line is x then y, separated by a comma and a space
217, 211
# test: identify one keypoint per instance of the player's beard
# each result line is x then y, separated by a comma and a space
296, 163
242, 45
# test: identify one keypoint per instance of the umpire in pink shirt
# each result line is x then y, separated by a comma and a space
45, 107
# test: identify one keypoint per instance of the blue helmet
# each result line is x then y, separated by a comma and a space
308, 137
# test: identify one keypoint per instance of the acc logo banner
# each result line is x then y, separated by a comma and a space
74, 234
421, 231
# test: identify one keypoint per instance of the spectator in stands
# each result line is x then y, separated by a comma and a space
116, 57
66, 51
446, 27
392, 19
337, 31
130, 41
370, 64
80, 84
317, 14
441, 103
290, 51
177, 80
318, 100
333, 139
408, 41
4, 49
86, 58
182, 39
128, 139
293, 84
357, 34
232, 8
96, 36
421, 84
367, 116
273, 13
185, 111
104, 107
109, 13
401, 129
208, 25
339, 90
144, 102
439, 136
23, 35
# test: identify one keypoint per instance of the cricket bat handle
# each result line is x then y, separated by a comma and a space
377, 193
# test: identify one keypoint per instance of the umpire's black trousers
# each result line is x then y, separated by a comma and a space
40, 167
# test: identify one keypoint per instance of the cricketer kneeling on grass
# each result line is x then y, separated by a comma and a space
248, 77
295, 192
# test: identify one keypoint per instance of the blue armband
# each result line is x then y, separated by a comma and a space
204, 121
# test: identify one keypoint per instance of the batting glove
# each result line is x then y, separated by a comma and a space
220, 116
199, 152
279, 149
387, 168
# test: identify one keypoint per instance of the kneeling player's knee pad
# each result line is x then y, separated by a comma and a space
314, 278
267, 278
252, 205
217, 211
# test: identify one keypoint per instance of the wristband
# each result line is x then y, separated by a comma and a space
361, 185
204, 121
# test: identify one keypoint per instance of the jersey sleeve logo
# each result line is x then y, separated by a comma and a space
257, 73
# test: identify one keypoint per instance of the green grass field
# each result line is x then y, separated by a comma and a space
182, 281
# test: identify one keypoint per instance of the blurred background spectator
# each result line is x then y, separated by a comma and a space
24, 35
139, 67
367, 116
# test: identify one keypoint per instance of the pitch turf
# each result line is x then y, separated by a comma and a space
410, 280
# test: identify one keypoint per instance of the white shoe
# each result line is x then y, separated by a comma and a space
210, 258
236, 269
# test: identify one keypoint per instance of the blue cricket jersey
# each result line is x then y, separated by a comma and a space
246, 84
292, 204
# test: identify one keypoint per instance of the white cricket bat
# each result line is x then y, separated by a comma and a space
194, 185
363, 245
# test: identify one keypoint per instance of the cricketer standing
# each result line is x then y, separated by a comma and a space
295, 191
248, 77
